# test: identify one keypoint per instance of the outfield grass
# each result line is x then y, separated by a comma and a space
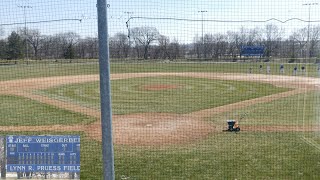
211, 67
21, 111
9, 72
192, 94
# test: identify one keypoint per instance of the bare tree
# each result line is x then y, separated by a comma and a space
208, 45
92, 47
232, 49
144, 36
292, 49
119, 46
300, 36
314, 39
175, 51
254, 36
33, 37
164, 43
87, 47
68, 41
220, 45
235, 43
197, 46
237, 39
81, 48
57, 46
46, 48
272, 38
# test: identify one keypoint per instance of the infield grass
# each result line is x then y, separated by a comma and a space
188, 95
297, 110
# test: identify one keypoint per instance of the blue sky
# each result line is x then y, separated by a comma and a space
183, 31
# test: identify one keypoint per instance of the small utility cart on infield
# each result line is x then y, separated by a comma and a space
233, 126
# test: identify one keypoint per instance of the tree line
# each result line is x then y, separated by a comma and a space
147, 43
32, 44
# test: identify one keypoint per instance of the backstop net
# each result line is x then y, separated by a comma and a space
199, 89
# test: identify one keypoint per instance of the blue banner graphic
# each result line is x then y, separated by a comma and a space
252, 50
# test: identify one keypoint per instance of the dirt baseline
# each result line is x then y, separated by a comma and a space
151, 129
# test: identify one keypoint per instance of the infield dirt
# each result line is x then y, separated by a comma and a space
152, 129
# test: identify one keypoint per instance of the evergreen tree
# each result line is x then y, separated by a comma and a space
15, 46
3, 49
69, 52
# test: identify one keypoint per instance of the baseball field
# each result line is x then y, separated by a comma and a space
168, 118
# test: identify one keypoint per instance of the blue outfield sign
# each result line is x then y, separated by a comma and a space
252, 50
43, 153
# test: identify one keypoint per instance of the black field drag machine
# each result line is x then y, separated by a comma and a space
233, 125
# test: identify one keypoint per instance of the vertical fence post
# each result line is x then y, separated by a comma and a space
3, 156
105, 94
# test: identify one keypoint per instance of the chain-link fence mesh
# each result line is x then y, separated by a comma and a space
200, 89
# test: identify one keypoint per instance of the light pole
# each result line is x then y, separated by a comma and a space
202, 23
308, 38
202, 11
128, 26
25, 28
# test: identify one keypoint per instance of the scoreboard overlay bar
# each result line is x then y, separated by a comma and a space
43, 153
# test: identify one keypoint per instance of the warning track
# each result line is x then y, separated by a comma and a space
155, 128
